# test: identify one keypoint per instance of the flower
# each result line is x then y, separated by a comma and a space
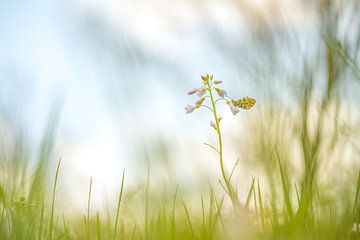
221, 92
245, 102
193, 91
190, 109
199, 102
212, 124
233, 108
201, 91
217, 81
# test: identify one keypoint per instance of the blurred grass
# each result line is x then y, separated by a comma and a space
307, 184
285, 203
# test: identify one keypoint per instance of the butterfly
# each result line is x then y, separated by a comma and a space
245, 102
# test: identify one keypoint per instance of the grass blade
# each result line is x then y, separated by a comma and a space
88, 212
119, 203
189, 220
249, 194
53, 201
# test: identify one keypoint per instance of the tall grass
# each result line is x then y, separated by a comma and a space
282, 204
301, 189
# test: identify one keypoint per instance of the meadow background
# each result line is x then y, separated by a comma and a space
102, 85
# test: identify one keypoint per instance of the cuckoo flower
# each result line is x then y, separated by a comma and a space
221, 92
199, 102
193, 91
207, 92
190, 109
233, 108
201, 91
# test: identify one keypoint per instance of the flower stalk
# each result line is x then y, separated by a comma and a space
206, 91
230, 188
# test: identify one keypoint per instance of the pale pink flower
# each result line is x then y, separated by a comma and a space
199, 102
193, 91
201, 91
233, 108
221, 92
190, 109
217, 81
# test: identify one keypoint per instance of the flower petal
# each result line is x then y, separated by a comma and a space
189, 109
221, 92
201, 91
233, 108
200, 101
193, 91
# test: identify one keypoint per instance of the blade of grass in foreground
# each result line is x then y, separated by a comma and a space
98, 226
146, 215
189, 220
357, 194
285, 188
250, 193
88, 212
41, 221
2, 199
53, 200
218, 217
172, 217
119, 203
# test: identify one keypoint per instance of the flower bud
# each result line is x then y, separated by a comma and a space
212, 124
205, 78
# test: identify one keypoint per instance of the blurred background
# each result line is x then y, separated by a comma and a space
102, 84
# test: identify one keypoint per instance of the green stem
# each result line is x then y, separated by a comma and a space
231, 192
53, 201
119, 203
207, 107
88, 212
